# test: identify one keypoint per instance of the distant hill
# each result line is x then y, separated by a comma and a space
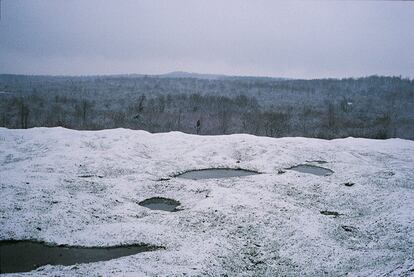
171, 75
182, 74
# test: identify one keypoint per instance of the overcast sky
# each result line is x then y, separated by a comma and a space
304, 39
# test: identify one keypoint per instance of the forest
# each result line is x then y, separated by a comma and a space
370, 107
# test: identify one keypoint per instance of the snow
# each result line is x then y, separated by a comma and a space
268, 224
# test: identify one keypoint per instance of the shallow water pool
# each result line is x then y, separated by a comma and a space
23, 256
312, 169
216, 173
160, 203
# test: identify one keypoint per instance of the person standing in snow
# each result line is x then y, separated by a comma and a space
198, 126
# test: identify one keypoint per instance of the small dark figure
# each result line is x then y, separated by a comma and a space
198, 126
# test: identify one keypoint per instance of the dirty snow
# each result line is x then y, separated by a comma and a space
83, 188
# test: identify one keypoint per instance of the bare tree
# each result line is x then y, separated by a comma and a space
24, 115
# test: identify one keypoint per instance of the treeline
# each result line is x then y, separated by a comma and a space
373, 107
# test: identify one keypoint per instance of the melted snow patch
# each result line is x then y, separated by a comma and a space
24, 256
216, 173
160, 203
312, 169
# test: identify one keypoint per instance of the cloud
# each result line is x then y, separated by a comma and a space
273, 38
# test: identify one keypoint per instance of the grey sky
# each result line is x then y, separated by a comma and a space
305, 39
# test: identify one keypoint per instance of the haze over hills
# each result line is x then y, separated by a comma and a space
270, 38
183, 74
173, 74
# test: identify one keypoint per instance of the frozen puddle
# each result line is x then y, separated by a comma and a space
24, 256
216, 173
312, 169
160, 203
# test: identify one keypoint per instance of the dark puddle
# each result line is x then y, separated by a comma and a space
331, 213
312, 169
160, 203
90, 176
317, 161
216, 173
24, 256
348, 228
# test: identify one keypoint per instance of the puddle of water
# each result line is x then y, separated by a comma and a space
312, 169
89, 176
348, 228
332, 213
216, 173
160, 203
24, 256
317, 161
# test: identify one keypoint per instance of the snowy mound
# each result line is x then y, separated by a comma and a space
83, 188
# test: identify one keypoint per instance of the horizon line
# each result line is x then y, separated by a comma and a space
200, 75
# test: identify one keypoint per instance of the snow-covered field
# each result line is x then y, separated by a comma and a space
268, 224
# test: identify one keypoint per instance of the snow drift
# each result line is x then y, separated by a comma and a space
82, 188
